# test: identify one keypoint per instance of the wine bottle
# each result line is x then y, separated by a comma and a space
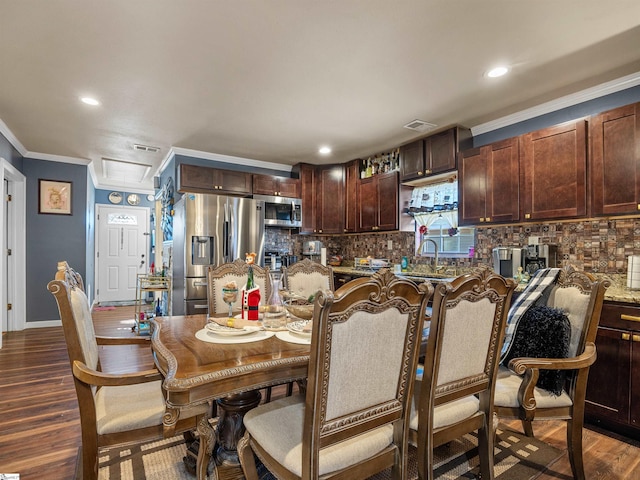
250, 283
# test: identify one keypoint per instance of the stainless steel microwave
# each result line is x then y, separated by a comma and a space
281, 211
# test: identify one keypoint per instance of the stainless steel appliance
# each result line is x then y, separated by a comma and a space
540, 256
506, 260
209, 230
281, 211
312, 249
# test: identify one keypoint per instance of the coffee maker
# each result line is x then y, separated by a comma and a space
540, 256
506, 260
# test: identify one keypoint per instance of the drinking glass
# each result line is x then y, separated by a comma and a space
230, 295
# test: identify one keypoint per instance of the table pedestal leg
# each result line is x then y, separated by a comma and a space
231, 412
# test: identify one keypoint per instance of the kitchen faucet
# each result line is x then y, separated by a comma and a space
435, 249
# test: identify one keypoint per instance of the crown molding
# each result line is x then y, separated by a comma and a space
560, 103
231, 160
57, 158
8, 134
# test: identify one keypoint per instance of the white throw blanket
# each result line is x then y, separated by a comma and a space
540, 281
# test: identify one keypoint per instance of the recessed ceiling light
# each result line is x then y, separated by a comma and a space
497, 72
90, 101
325, 150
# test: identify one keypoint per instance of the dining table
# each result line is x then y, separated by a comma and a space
227, 372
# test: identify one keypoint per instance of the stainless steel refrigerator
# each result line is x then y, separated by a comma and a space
209, 230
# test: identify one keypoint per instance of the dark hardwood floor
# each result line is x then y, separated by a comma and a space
40, 426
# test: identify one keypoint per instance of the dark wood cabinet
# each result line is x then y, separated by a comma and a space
195, 178
613, 389
378, 203
615, 161
554, 172
351, 178
434, 154
489, 183
275, 185
322, 191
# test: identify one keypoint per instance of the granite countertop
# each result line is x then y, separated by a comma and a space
617, 292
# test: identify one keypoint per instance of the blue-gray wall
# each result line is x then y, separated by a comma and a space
591, 107
51, 238
9, 153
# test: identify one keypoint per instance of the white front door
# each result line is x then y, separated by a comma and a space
122, 251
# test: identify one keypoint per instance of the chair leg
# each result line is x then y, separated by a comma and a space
89, 461
247, 458
574, 445
485, 450
267, 395
527, 426
289, 389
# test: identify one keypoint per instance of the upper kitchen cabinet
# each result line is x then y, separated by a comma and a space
378, 203
489, 183
277, 186
322, 192
553, 162
351, 179
433, 154
195, 178
615, 161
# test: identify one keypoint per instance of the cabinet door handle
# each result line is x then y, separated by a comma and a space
631, 318
636, 338
527, 215
626, 336
420, 173
488, 219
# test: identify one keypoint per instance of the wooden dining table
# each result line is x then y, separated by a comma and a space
197, 372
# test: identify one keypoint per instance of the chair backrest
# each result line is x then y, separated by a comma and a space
364, 350
305, 278
75, 313
580, 296
465, 337
235, 271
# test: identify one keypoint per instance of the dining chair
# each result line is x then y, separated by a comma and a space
115, 409
236, 271
305, 278
455, 394
352, 422
579, 295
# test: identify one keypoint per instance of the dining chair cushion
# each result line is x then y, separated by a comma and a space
129, 407
84, 325
506, 394
463, 345
277, 427
307, 283
353, 389
447, 413
574, 303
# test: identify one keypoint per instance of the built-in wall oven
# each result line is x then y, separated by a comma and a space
281, 211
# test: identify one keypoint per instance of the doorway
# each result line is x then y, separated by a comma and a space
13, 257
122, 251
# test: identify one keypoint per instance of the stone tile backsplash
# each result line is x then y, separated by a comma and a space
594, 245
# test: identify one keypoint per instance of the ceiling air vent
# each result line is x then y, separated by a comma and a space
146, 148
420, 126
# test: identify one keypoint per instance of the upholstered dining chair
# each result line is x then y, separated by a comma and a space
579, 295
352, 421
305, 278
234, 271
115, 409
455, 394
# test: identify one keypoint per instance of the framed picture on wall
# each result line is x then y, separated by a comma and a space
54, 197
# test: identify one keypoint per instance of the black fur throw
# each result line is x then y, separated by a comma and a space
543, 332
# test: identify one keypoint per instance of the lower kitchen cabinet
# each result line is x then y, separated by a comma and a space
613, 390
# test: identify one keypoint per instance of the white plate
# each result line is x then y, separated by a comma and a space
224, 331
297, 327
287, 336
206, 336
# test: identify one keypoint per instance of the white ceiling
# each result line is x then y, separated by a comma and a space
273, 80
